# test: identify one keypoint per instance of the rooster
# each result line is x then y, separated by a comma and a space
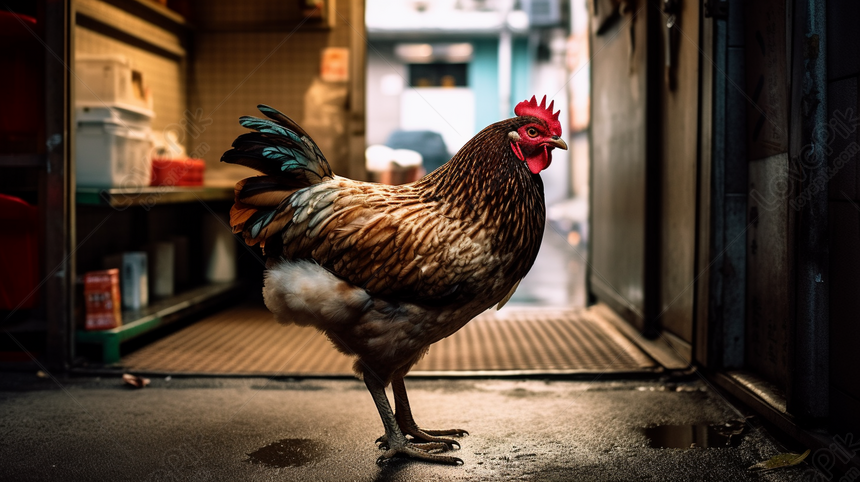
386, 271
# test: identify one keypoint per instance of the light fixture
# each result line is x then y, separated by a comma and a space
414, 53
426, 53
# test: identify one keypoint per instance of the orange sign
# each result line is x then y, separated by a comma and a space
335, 64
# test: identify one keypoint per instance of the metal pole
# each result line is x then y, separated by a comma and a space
57, 185
505, 73
812, 344
505, 54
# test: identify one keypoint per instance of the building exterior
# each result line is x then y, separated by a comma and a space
455, 67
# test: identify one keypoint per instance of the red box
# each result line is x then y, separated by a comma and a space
177, 172
101, 296
19, 253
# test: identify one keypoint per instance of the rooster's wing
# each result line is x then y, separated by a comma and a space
393, 241
390, 242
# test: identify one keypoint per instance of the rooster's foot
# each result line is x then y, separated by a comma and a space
426, 446
419, 452
457, 432
427, 436
432, 436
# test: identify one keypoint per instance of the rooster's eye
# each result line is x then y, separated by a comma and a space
532, 132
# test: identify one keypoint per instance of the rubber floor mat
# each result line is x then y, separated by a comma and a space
247, 340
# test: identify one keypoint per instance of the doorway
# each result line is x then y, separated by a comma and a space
426, 89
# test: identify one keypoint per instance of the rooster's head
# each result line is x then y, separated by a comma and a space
538, 133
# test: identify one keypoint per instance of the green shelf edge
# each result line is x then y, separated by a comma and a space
110, 340
150, 195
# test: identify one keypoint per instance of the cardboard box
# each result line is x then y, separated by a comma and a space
102, 300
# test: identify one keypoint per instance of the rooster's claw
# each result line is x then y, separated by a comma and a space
382, 442
423, 438
414, 451
457, 432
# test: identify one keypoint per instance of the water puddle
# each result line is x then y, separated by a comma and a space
289, 452
729, 434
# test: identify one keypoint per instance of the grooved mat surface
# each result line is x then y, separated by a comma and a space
247, 340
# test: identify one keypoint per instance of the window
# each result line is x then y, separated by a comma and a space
437, 75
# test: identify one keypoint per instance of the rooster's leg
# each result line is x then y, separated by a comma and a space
396, 441
409, 427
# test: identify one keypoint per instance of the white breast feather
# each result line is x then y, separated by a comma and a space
305, 293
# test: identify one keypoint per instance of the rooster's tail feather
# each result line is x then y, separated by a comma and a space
279, 148
290, 160
258, 210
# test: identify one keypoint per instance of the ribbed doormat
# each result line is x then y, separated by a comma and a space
247, 340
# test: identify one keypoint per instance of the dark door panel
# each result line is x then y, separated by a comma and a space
619, 209
679, 112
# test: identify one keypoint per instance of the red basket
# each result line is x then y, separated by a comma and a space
177, 172
19, 253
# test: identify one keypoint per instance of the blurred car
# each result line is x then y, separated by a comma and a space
429, 144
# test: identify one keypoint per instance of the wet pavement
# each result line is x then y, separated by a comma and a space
203, 429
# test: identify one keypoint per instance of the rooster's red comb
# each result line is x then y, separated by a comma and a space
531, 108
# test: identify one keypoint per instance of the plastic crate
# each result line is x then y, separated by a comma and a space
111, 81
19, 253
178, 172
113, 148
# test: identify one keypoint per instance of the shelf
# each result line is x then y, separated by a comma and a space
284, 18
153, 13
23, 160
149, 196
141, 24
269, 26
158, 314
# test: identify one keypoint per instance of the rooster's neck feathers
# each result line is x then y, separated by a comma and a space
484, 171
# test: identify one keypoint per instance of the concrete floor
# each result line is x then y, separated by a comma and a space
203, 429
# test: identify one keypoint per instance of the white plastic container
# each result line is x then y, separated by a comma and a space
219, 250
134, 283
113, 148
110, 80
161, 269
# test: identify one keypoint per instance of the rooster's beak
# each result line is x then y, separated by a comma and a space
557, 142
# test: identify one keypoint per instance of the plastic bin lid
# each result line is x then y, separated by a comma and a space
118, 58
113, 114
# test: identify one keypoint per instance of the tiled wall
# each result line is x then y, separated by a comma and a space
843, 66
236, 70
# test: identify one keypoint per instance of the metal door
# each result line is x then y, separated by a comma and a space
622, 143
644, 162
679, 112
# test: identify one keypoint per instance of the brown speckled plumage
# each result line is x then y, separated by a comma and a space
466, 233
385, 271
473, 226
